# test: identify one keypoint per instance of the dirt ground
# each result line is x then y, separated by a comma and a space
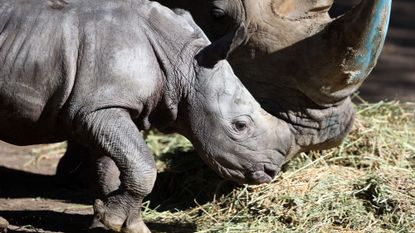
30, 198
32, 201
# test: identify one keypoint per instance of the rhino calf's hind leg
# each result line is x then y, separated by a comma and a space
108, 176
108, 181
113, 133
74, 167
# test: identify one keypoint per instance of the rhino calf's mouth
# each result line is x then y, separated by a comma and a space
263, 176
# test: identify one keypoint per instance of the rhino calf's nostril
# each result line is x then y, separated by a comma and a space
271, 171
257, 175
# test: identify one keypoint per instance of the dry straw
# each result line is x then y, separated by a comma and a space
367, 184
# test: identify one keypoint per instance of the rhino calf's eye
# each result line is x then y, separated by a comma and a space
240, 125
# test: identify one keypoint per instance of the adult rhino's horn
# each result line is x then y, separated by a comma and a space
343, 54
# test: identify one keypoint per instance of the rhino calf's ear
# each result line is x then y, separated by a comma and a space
220, 49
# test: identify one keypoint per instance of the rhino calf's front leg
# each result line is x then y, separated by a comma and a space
112, 133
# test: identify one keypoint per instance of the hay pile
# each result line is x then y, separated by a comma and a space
365, 185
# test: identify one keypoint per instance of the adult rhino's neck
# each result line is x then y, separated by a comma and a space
314, 127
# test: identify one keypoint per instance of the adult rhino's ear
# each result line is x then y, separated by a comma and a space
220, 49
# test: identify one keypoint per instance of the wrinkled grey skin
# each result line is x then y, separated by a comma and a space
301, 65
94, 72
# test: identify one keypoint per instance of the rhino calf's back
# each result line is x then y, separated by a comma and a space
38, 55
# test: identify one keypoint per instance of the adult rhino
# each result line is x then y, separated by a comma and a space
301, 65
96, 71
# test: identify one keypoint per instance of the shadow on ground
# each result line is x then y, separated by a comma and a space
170, 193
21, 184
202, 184
74, 223
47, 220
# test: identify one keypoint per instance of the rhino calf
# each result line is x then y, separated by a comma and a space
94, 72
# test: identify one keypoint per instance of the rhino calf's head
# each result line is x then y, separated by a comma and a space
232, 133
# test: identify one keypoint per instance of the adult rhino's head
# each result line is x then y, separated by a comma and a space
227, 126
325, 59
300, 64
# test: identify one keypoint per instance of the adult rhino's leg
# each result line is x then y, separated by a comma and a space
76, 165
112, 133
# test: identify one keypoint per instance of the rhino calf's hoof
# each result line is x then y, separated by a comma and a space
3, 225
137, 226
119, 215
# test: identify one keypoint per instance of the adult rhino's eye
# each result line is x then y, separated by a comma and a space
217, 13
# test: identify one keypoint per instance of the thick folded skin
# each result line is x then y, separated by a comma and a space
300, 64
97, 72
